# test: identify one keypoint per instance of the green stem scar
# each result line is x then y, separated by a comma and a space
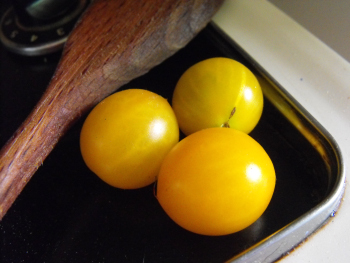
226, 125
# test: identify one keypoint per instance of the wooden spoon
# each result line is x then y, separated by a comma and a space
114, 42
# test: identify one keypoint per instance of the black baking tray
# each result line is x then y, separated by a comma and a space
66, 214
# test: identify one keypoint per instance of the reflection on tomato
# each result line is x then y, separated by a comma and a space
217, 92
126, 136
216, 181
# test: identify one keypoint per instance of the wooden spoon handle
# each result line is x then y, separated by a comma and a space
114, 42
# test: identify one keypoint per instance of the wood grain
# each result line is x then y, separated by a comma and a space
114, 42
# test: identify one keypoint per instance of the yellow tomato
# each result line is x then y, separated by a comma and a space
217, 92
216, 181
126, 136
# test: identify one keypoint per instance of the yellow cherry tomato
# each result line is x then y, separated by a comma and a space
126, 136
216, 181
217, 92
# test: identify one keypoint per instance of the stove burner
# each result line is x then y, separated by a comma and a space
38, 37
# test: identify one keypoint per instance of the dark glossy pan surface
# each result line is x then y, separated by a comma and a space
66, 214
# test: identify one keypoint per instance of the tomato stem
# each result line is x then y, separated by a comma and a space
226, 125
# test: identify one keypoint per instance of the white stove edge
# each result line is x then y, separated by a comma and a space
318, 78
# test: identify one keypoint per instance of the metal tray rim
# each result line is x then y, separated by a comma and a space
279, 244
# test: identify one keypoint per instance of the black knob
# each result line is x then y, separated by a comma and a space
39, 27
34, 12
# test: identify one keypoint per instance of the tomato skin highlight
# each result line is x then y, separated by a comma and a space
216, 182
209, 92
126, 136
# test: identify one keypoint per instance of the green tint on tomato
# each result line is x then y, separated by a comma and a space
126, 136
217, 92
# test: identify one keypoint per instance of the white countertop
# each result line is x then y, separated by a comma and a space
328, 20
289, 52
